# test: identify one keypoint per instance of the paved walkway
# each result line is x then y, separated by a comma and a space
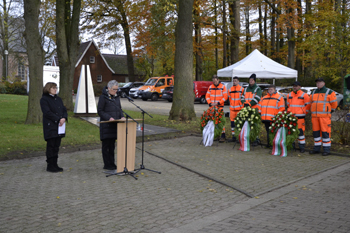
299, 193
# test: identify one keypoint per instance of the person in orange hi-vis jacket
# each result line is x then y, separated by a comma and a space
216, 96
235, 95
298, 103
323, 103
271, 104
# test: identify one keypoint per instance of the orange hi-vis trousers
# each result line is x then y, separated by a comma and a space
321, 127
301, 127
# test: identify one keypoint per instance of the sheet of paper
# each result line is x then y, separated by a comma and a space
62, 129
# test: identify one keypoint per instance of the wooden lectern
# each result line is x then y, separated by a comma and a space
121, 143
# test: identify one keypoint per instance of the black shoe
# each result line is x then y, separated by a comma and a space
314, 152
59, 168
232, 140
51, 168
109, 168
222, 140
326, 153
302, 150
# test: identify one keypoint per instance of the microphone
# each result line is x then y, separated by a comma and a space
128, 97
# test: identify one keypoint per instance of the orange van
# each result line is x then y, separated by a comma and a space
154, 87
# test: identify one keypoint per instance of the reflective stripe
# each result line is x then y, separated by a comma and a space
300, 115
235, 98
333, 101
301, 137
320, 112
326, 144
318, 143
215, 95
302, 142
297, 106
326, 139
267, 115
317, 139
237, 106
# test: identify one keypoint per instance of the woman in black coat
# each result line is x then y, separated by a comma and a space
109, 109
54, 116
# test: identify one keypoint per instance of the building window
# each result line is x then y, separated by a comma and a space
99, 78
92, 59
21, 71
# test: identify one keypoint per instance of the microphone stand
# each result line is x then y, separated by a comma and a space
142, 166
125, 172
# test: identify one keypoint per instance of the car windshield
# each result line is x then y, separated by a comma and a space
151, 82
127, 85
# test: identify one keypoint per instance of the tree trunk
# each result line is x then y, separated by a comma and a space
273, 32
5, 37
235, 21
198, 51
67, 36
247, 31
265, 29
183, 99
216, 38
36, 60
224, 47
261, 38
127, 39
291, 42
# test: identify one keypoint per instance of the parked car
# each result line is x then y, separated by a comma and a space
200, 89
154, 87
168, 93
133, 93
124, 90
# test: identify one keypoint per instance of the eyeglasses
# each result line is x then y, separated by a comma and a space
115, 89
54, 87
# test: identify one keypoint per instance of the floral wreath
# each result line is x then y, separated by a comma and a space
216, 115
290, 122
253, 117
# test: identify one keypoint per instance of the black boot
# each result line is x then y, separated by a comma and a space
56, 165
51, 165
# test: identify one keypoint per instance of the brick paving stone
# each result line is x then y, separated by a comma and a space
82, 199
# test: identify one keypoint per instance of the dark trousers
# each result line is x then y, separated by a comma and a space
267, 126
52, 147
108, 147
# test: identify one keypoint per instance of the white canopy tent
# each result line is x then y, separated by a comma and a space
260, 65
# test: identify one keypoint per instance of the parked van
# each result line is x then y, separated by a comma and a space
200, 89
154, 87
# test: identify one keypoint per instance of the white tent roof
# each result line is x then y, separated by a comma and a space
260, 65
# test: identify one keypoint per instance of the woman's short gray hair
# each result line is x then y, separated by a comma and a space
112, 83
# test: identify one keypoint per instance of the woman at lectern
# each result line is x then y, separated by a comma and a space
54, 118
109, 109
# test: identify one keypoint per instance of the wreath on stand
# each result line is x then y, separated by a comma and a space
290, 122
253, 117
216, 115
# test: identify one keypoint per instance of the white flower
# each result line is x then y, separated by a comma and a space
278, 125
237, 125
273, 124
270, 127
239, 129
256, 117
252, 127
290, 126
293, 129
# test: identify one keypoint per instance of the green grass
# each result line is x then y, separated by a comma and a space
18, 139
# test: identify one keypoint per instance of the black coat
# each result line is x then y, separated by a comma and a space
53, 111
109, 106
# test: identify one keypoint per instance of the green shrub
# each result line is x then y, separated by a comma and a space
98, 88
17, 87
2, 88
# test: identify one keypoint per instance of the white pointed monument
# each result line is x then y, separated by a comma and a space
85, 103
